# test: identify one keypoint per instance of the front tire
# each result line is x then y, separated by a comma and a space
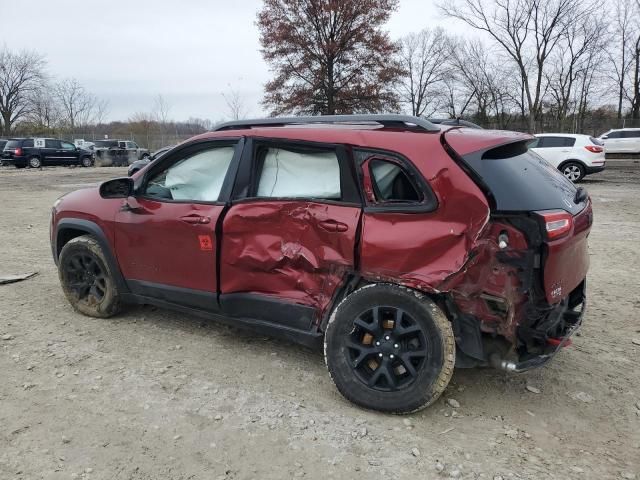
86, 162
574, 171
389, 348
86, 279
35, 162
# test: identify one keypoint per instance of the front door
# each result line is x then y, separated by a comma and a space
68, 153
166, 237
290, 235
51, 152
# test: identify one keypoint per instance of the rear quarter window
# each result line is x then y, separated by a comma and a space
12, 144
521, 181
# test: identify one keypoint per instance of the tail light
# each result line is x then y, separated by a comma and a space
557, 223
18, 152
594, 148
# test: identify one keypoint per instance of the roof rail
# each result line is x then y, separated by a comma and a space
406, 122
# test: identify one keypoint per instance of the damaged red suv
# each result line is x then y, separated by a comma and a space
407, 248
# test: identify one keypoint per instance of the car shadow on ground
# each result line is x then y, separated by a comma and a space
468, 385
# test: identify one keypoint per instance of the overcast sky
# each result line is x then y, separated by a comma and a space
189, 51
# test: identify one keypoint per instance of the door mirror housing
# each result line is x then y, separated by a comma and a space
117, 188
604, 137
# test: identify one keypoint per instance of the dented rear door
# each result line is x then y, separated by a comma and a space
288, 240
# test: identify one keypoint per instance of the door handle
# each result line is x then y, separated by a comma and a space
333, 226
195, 219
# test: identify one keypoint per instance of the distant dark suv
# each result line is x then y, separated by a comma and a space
404, 248
36, 152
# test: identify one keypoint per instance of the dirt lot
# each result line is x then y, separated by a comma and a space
152, 394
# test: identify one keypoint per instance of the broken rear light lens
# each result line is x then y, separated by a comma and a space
557, 223
594, 148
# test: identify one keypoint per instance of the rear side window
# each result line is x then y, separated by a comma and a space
28, 143
555, 142
12, 144
391, 183
521, 181
631, 134
288, 173
52, 143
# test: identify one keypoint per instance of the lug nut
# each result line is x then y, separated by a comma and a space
395, 345
387, 337
377, 344
392, 356
380, 355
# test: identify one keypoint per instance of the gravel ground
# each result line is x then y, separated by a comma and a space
152, 394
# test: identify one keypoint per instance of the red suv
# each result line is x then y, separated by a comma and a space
406, 247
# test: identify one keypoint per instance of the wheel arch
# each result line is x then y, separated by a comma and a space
70, 228
572, 160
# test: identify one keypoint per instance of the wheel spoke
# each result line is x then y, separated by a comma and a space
405, 358
364, 352
369, 327
81, 289
401, 331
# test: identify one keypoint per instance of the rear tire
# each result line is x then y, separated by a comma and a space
574, 171
35, 162
389, 348
86, 279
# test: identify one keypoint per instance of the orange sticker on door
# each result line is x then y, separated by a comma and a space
206, 244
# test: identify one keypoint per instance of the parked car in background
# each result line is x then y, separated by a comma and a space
3, 142
454, 121
140, 164
36, 152
347, 237
574, 155
118, 152
621, 140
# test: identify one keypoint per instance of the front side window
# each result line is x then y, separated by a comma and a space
614, 134
67, 146
292, 173
197, 177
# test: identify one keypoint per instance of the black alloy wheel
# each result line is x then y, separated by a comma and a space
387, 347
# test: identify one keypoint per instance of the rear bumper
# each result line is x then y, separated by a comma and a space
594, 169
19, 161
551, 334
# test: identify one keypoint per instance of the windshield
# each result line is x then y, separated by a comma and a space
520, 180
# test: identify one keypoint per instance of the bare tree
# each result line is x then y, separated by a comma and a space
573, 60
21, 77
236, 108
44, 112
624, 32
79, 107
423, 58
161, 109
527, 32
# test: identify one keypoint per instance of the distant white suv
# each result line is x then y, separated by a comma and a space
621, 140
574, 155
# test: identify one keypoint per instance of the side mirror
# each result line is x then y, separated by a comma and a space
604, 137
117, 188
